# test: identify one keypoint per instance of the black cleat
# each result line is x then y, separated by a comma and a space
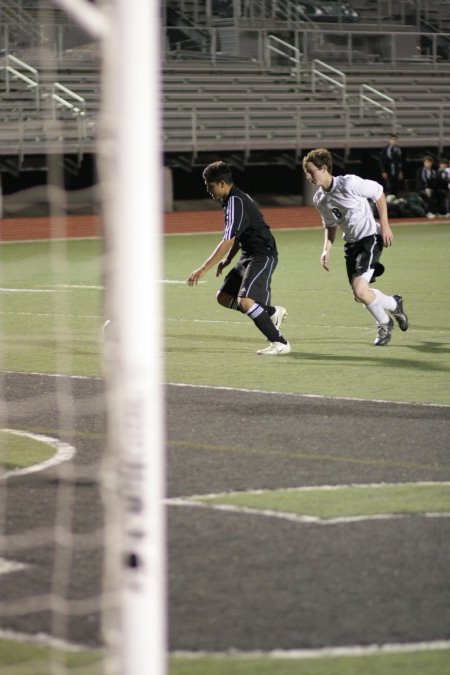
384, 333
399, 314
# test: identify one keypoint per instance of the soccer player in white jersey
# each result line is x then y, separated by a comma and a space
343, 200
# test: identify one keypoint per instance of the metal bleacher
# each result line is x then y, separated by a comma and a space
49, 81
246, 78
345, 86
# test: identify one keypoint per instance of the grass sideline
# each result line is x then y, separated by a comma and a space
433, 662
26, 659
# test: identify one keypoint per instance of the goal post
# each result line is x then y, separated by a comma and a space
129, 158
130, 153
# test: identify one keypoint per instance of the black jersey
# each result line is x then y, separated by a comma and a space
245, 221
391, 160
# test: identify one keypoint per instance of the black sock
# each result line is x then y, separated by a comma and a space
262, 320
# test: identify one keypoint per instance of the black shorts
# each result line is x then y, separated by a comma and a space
364, 255
251, 278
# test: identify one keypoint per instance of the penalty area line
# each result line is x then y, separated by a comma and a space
295, 517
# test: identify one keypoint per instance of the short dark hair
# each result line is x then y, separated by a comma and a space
319, 157
218, 171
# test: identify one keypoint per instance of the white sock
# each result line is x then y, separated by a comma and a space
379, 306
388, 301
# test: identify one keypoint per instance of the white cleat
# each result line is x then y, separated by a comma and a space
275, 349
279, 316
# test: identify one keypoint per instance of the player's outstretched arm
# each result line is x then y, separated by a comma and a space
221, 250
226, 261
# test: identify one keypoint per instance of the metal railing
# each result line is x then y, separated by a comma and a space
30, 80
336, 80
77, 109
346, 47
369, 98
287, 51
297, 126
36, 130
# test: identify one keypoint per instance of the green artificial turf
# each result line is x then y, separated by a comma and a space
18, 451
433, 662
345, 501
51, 307
331, 335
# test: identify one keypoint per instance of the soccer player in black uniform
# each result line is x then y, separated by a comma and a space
246, 287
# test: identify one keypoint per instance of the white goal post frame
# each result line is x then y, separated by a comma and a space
129, 158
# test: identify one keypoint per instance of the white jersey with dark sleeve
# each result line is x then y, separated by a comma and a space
346, 204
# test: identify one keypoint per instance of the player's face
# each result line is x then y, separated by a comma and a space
217, 190
317, 176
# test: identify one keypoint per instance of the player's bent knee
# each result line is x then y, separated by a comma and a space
245, 304
223, 299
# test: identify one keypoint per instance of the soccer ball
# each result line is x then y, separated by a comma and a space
107, 329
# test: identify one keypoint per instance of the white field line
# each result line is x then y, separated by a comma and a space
417, 223
300, 654
85, 287
47, 315
309, 396
64, 452
236, 323
28, 290
197, 501
8, 566
244, 323
311, 488
350, 650
251, 391
300, 519
74, 287
44, 640
438, 221
36, 374
48, 241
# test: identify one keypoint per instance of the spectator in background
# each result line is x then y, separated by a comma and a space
391, 165
426, 184
443, 187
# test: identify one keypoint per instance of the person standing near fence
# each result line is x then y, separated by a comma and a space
426, 184
246, 287
343, 200
443, 187
391, 165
